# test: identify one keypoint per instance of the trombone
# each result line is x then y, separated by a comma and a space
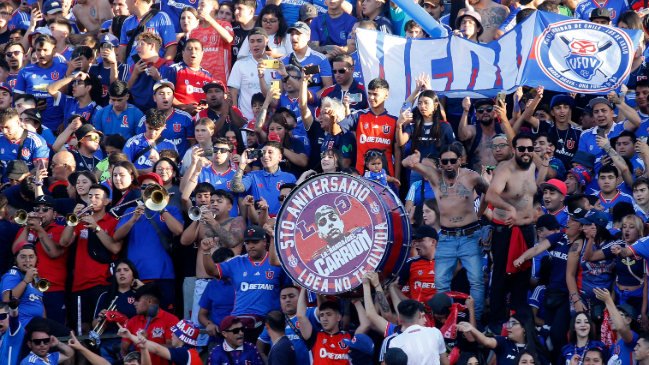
155, 197
96, 332
195, 213
73, 219
22, 216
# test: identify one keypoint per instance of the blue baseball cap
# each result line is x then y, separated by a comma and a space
594, 216
52, 7
109, 38
361, 343
562, 99
5, 86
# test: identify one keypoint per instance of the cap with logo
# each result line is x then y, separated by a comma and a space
600, 13
585, 159
7, 87
16, 169
85, 129
555, 184
52, 7
308, 11
360, 342
34, 114
300, 27
109, 38
594, 216
217, 84
254, 233
44, 199
186, 331
163, 82
581, 174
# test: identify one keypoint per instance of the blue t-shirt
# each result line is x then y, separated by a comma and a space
180, 128
34, 80
103, 74
160, 24
173, 9
343, 142
571, 349
11, 342
257, 285
299, 131
69, 105
31, 302
536, 299
262, 183
291, 10
596, 274
332, 31
588, 141
559, 247
626, 269
376, 176
145, 249
138, 143
34, 148
142, 90
358, 70
220, 181
414, 193
218, 297
316, 59
608, 204
108, 122
19, 20
562, 215
33, 359
301, 351
622, 352
615, 7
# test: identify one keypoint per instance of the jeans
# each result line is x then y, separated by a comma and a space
467, 249
199, 289
188, 295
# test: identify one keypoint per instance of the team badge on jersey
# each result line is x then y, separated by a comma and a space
270, 274
386, 129
84, 234
26, 153
157, 332
177, 127
131, 300
55, 75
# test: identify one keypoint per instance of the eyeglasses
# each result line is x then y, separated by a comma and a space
43, 209
522, 149
341, 71
14, 53
281, 198
499, 145
76, 83
488, 109
39, 341
59, 164
3, 316
266, 21
167, 169
445, 161
297, 77
221, 150
144, 186
235, 331
511, 324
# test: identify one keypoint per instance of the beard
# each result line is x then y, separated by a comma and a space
487, 122
522, 164
216, 104
450, 174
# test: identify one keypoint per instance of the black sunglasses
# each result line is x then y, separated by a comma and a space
3, 316
445, 161
523, 149
341, 71
235, 331
221, 150
39, 341
488, 109
44, 209
281, 198
144, 186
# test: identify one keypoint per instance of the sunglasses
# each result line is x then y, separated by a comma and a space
297, 77
221, 150
373, 153
499, 145
341, 71
43, 209
446, 161
3, 316
93, 138
235, 331
523, 149
488, 109
281, 198
144, 186
39, 341
14, 53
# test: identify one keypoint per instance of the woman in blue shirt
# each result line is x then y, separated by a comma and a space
19, 282
582, 337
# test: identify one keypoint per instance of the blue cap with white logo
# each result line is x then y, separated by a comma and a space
109, 38
52, 7
361, 343
594, 216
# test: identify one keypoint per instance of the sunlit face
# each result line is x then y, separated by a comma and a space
607, 182
26, 259
188, 21
221, 157
279, 129
145, 50
243, 13
561, 112
120, 8
83, 185
193, 54
414, 32
425, 246
328, 162
625, 146
469, 26
641, 350
630, 232
14, 55
203, 199
221, 205
342, 78
298, 40
288, 300
39, 343
90, 142
501, 150
271, 156
165, 170
603, 115
152, 133
234, 340
207, 5
163, 98
552, 199
122, 178
582, 326
430, 217
641, 194
426, 106
376, 97
11, 129
257, 44
202, 133
371, 6
44, 53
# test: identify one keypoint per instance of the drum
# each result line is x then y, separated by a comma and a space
334, 227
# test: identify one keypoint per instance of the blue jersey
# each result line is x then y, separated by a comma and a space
138, 143
11, 80
257, 285
220, 181
587, 141
301, 351
332, 31
31, 302
143, 85
376, 176
34, 80
299, 131
11, 342
180, 128
559, 247
173, 9
571, 349
510, 21
19, 20
414, 193
108, 122
247, 354
615, 7
622, 352
608, 204
262, 183
644, 125
218, 297
34, 148
159, 24
33, 359
536, 299
146, 250
291, 10
103, 74
628, 269
69, 106
596, 274
313, 58
641, 248
561, 215
343, 142
48, 136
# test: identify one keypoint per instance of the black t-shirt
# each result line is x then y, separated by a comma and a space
84, 163
240, 35
282, 353
567, 140
316, 137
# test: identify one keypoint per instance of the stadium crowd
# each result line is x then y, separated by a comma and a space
146, 149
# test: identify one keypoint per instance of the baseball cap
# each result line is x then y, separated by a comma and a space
186, 331
45, 199
308, 11
600, 100
287, 110
548, 221
258, 30
562, 99
600, 13
52, 6
440, 304
34, 114
594, 216
215, 83
581, 174
300, 27
228, 321
586, 159
555, 184
16, 169
163, 82
628, 310
5, 86
109, 38
85, 129
395, 356
473, 14
360, 342
23, 244
250, 127
254, 233
485, 101
426, 231
152, 176
37, 31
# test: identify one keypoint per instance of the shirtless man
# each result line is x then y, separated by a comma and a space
485, 130
511, 194
458, 239
492, 15
90, 15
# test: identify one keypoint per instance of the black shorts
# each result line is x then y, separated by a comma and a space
89, 298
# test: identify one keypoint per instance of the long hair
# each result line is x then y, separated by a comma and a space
418, 118
278, 118
237, 135
90, 176
337, 156
117, 194
175, 180
282, 25
533, 344
465, 357
431, 203
517, 360
603, 235
572, 334
114, 286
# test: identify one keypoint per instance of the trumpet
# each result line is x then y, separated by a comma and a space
155, 197
195, 213
41, 284
73, 219
93, 337
22, 216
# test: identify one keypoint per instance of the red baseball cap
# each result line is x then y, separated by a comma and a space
228, 321
555, 184
152, 176
20, 245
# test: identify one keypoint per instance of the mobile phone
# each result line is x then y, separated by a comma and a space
501, 97
406, 107
208, 152
355, 98
312, 70
107, 46
274, 84
35, 6
600, 132
643, 139
41, 100
257, 204
135, 58
271, 64
644, 11
254, 154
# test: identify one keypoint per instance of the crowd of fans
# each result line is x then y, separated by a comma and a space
146, 149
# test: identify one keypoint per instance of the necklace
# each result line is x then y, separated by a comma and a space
83, 159
457, 177
562, 141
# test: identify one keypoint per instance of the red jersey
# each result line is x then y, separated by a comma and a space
159, 331
216, 52
189, 83
372, 131
329, 349
419, 274
88, 272
54, 270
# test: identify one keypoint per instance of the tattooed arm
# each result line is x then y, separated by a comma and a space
481, 185
379, 323
571, 274
228, 238
617, 159
236, 184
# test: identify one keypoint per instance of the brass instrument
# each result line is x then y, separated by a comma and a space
41, 284
22, 216
112, 210
93, 337
73, 219
195, 213
155, 197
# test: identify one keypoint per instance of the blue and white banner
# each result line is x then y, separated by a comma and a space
562, 54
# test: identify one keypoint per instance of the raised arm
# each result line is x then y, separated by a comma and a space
305, 324
622, 327
617, 159
305, 112
528, 114
465, 131
273, 259
429, 173
364, 325
93, 358
378, 323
